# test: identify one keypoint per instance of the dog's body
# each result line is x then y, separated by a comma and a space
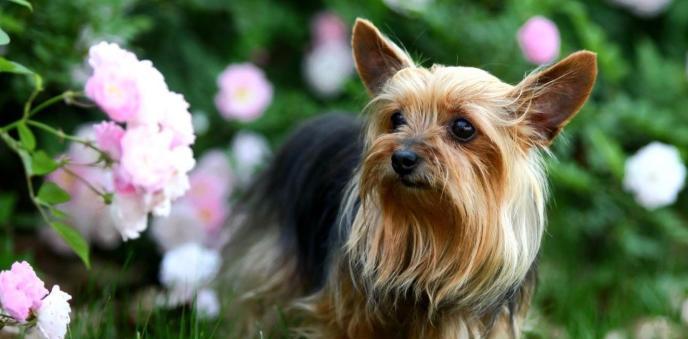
423, 222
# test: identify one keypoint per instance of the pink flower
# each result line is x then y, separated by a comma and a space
178, 120
105, 54
152, 153
113, 85
244, 92
126, 89
109, 138
328, 27
147, 159
21, 291
539, 40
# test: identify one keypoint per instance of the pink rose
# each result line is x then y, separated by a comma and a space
115, 92
539, 40
177, 119
244, 92
21, 291
147, 157
109, 138
126, 89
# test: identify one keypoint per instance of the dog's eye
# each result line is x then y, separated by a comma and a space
462, 129
397, 120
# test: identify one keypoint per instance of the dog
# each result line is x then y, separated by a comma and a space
424, 220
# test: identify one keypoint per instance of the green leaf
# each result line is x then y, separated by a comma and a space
7, 203
8, 66
42, 164
26, 137
58, 214
23, 3
75, 241
52, 194
4, 38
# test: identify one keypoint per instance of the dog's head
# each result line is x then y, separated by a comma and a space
452, 163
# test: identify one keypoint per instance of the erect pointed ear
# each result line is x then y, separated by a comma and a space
376, 58
550, 98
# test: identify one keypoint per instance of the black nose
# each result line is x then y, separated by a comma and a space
404, 162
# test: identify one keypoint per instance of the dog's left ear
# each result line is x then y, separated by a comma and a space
550, 98
377, 58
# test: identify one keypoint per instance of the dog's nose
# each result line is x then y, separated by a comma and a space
404, 161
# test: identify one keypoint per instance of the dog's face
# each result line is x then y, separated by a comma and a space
456, 149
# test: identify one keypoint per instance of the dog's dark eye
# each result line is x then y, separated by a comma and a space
462, 129
397, 120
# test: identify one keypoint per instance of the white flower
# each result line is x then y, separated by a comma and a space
130, 215
207, 304
53, 316
655, 175
644, 8
405, 6
249, 150
187, 268
684, 312
328, 66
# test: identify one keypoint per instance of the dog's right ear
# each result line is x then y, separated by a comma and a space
376, 58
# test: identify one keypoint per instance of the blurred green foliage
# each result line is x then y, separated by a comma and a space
606, 261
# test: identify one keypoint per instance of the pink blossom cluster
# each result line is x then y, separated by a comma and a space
21, 292
329, 64
148, 137
198, 216
23, 295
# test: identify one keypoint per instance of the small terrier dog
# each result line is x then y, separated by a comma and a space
423, 222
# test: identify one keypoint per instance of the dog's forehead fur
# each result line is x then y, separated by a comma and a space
443, 88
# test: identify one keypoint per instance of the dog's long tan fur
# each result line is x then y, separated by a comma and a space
455, 258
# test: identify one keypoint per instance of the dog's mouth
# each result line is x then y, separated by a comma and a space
415, 184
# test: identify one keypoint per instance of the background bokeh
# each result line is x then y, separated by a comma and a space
609, 266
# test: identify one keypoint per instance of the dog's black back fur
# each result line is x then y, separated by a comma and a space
304, 187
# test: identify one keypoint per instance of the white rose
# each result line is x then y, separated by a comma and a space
188, 268
328, 66
53, 316
655, 175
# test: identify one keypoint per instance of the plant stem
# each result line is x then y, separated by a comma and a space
37, 89
67, 97
85, 182
62, 135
